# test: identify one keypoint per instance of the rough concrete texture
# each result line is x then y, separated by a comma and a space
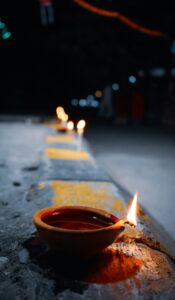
141, 160
134, 268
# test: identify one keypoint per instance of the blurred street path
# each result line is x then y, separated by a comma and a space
141, 160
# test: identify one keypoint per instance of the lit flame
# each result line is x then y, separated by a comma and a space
131, 217
64, 117
70, 125
60, 115
80, 127
60, 112
81, 124
59, 109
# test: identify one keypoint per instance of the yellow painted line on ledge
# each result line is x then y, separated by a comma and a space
65, 154
95, 195
60, 139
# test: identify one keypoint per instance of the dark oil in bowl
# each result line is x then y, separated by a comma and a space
77, 219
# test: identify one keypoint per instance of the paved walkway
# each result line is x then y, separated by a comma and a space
141, 160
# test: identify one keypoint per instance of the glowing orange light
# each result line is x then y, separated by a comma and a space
59, 110
131, 217
115, 14
64, 117
98, 94
70, 125
60, 115
80, 126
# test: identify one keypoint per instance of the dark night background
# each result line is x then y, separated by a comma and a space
130, 133
45, 66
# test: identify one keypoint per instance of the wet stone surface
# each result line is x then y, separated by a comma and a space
3, 262
130, 269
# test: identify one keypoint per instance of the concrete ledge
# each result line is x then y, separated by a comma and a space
136, 267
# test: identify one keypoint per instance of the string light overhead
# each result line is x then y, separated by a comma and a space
115, 14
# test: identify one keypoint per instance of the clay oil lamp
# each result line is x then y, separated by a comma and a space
81, 231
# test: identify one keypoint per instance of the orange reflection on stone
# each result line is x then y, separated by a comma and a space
109, 266
112, 266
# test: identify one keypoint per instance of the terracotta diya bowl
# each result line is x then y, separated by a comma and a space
62, 128
77, 230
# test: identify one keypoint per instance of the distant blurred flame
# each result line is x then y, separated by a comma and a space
64, 117
98, 94
131, 217
70, 125
81, 124
59, 111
